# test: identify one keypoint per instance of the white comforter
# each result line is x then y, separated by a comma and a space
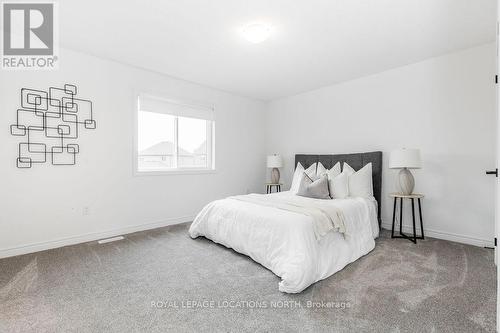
285, 241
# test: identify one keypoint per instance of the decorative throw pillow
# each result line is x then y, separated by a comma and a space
348, 169
339, 188
311, 171
320, 170
360, 182
297, 175
317, 189
332, 173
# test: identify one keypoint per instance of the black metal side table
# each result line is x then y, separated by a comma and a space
269, 187
412, 197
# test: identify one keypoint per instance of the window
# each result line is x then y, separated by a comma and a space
173, 136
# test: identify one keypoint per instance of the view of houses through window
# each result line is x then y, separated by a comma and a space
169, 142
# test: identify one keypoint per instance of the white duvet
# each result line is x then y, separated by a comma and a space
286, 241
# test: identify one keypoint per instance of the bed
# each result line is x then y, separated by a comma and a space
292, 243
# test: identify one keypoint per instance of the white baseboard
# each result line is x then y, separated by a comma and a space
35, 247
442, 235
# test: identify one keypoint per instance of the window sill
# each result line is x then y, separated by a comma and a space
175, 172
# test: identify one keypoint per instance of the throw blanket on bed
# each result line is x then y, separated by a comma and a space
325, 217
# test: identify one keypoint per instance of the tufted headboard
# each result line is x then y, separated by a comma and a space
356, 161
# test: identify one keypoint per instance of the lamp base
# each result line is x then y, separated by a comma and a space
406, 182
275, 176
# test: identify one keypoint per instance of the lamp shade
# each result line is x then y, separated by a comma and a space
405, 158
274, 161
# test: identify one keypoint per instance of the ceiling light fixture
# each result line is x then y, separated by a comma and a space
257, 32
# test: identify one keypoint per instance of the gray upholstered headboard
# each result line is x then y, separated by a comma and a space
356, 161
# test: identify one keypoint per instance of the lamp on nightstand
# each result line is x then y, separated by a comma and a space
275, 162
405, 159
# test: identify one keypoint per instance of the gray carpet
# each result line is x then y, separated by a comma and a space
434, 286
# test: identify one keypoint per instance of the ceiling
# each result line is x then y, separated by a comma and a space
315, 43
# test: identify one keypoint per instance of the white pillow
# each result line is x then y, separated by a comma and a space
311, 171
332, 173
339, 188
341, 183
297, 175
348, 169
360, 182
321, 170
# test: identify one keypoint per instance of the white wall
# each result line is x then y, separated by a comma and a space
445, 106
43, 207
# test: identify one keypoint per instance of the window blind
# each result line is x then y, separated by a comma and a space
161, 105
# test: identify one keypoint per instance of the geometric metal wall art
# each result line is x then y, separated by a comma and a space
50, 121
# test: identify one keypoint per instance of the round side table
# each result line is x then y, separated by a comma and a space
411, 197
269, 187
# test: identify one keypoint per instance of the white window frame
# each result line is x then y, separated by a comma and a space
175, 170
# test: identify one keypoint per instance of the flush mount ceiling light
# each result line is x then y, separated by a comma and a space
257, 32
